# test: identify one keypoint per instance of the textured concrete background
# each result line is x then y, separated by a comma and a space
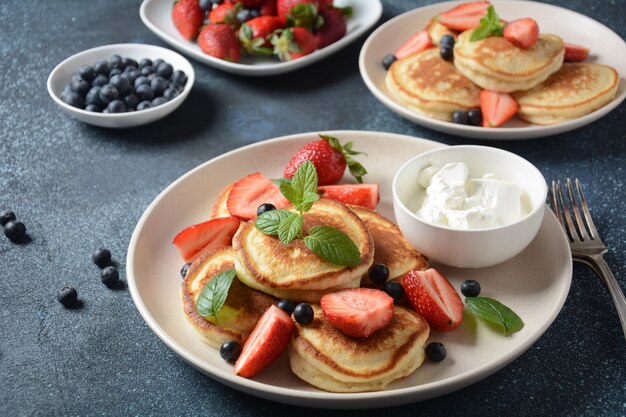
78, 188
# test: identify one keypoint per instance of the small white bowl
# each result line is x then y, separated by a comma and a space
473, 248
62, 74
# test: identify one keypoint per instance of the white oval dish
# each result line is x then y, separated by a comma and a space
62, 74
156, 15
534, 284
606, 48
471, 248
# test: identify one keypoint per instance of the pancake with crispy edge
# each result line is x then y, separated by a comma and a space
220, 208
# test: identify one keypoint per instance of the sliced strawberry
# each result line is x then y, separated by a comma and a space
522, 33
250, 192
575, 53
268, 340
366, 195
187, 17
432, 295
497, 108
464, 16
358, 312
416, 43
213, 233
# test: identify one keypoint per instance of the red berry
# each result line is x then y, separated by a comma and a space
212, 233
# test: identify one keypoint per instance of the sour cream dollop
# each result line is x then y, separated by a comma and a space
450, 197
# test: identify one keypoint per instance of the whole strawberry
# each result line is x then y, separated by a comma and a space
220, 41
293, 43
334, 27
246, 3
225, 13
255, 33
187, 17
330, 159
268, 8
301, 13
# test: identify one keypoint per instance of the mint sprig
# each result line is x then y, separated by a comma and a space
290, 227
490, 25
355, 168
333, 246
213, 295
495, 312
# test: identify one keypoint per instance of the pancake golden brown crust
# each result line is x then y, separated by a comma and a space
391, 247
242, 308
573, 91
219, 208
328, 359
293, 271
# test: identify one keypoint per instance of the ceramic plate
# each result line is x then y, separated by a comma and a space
606, 48
156, 14
534, 284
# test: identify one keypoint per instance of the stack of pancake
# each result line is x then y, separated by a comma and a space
548, 90
268, 270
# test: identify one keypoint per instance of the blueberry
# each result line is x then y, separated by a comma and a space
151, 76
170, 93
93, 97
179, 78
446, 52
303, 313
116, 106
116, 62
101, 67
265, 207
379, 273
80, 86
394, 289
470, 288
108, 93
230, 351
145, 62
121, 83
114, 72
217, 1
156, 63
165, 70
129, 63
447, 40
74, 99
436, 351
144, 105
475, 117
100, 80
286, 305
158, 101
132, 75
460, 117
183, 270
205, 5
109, 276
147, 70
131, 101
93, 108
243, 15
254, 13
67, 296
101, 257
15, 230
87, 72
158, 85
388, 60
6, 216
142, 79
67, 90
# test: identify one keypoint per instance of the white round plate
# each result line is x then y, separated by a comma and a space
156, 15
534, 284
605, 45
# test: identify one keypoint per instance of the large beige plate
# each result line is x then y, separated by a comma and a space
606, 48
535, 284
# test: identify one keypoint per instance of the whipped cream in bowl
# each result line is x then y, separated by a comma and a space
469, 206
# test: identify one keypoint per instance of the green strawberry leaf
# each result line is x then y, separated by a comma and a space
495, 312
213, 295
290, 228
356, 169
490, 25
268, 222
333, 245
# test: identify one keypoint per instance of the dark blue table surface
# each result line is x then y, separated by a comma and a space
78, 188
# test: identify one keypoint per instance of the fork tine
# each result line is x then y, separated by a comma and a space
568, 224
554, 205
583, 202
578, 220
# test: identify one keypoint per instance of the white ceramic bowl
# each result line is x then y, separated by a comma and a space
62, 74
474, 248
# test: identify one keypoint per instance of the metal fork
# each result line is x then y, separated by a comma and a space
584, 240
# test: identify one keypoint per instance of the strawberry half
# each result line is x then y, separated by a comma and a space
522, 33
213, 233
268, 340
497, 108
250, 192
575, 53
464, 16
416, 43
187, 17
358, 312
366, 195
432, 295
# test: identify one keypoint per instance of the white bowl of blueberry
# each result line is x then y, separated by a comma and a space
122, 85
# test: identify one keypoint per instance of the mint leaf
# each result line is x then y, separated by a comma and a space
305, 178
268, 222
307, 201
490, 25
291, 193
214, 293
279, 181
495, 312
290, 227
333, 245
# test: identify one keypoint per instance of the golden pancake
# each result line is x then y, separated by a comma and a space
219, 208
436, 31
573, 91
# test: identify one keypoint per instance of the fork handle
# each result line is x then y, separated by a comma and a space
616, 292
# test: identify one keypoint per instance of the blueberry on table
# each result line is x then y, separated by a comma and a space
475, 117
87, 72
101, 257
460, 117
116, 106
144, 105
68, 296
101, 67
230, 351
447, 40
165, 70
470, 288
74, 99
158, 85
179, 78
394, 290
145, 62
183, 270
286, 305
100, 80
121, 83
131, 101
6, 216
93, 97
303, 313
109, 276
388, 60
15, 231
446, 52
436, 351
379, 273
108, 93
93, 108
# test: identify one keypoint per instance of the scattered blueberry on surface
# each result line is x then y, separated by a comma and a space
6, 216
388, 60
15, 231
460, 117
303, 313
286, 305
68, 296
436, 351
470, 288
230, 351
184, 269
379, 273
265, 207
109, 276
101, 257
475, 117
394, 289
